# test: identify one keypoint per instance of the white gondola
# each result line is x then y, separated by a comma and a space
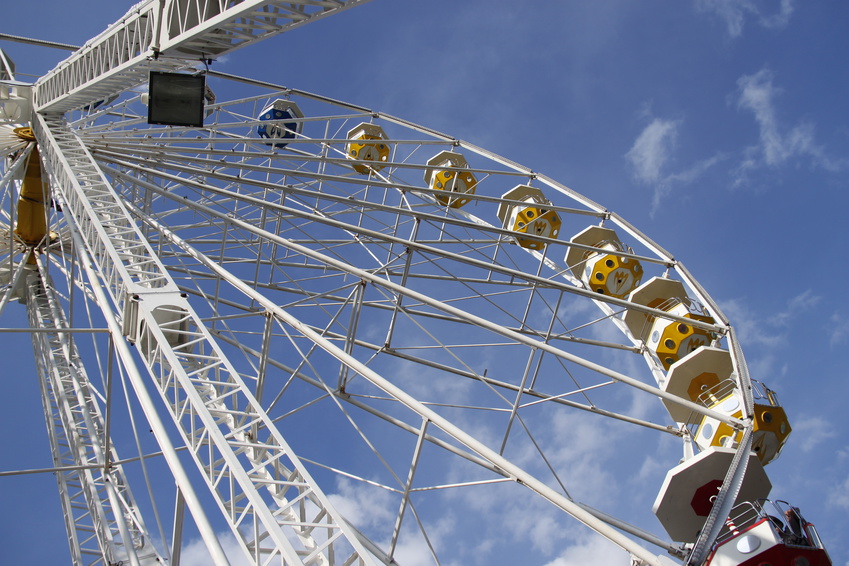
368, 147
532, 216
603, 269
669, 339
448, 172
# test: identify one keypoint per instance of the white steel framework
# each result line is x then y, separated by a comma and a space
168, 35
317, 327
104, 524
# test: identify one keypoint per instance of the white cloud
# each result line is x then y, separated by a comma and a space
735, 13
839, 329
756, 94
592, 549
195, 553
814, 431
652, 469
770, 333
802, 302
694, 172
373, 511
413, 550
362, 505
586, 452
652, 151
841, 495
583, 456
777, 143
508, 517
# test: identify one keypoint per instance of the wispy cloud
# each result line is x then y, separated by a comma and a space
652, 150
362, 506
583, 456
196, 554
841, 496
592, 549
801, 303
769, 333
839, 329
814, 430
736, 12
651, 154
584, 460
777, 142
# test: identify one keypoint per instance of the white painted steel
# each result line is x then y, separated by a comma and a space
122, 348
104, 525
319, 335
167, 35
227, 216
206, 397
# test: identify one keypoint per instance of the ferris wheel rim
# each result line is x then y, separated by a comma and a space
109, 150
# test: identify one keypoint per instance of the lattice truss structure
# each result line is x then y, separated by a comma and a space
163, 35
307, 319
93, 489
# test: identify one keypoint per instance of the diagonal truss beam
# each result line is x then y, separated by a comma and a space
271, 503
103, 523
498, 462
441, 306
167, 35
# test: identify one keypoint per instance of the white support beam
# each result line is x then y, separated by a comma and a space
167, 35
499, 462
443, 307
103, 523
270, 501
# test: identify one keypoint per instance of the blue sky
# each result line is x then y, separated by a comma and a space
718, 127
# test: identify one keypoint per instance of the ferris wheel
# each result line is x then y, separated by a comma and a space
348, 334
